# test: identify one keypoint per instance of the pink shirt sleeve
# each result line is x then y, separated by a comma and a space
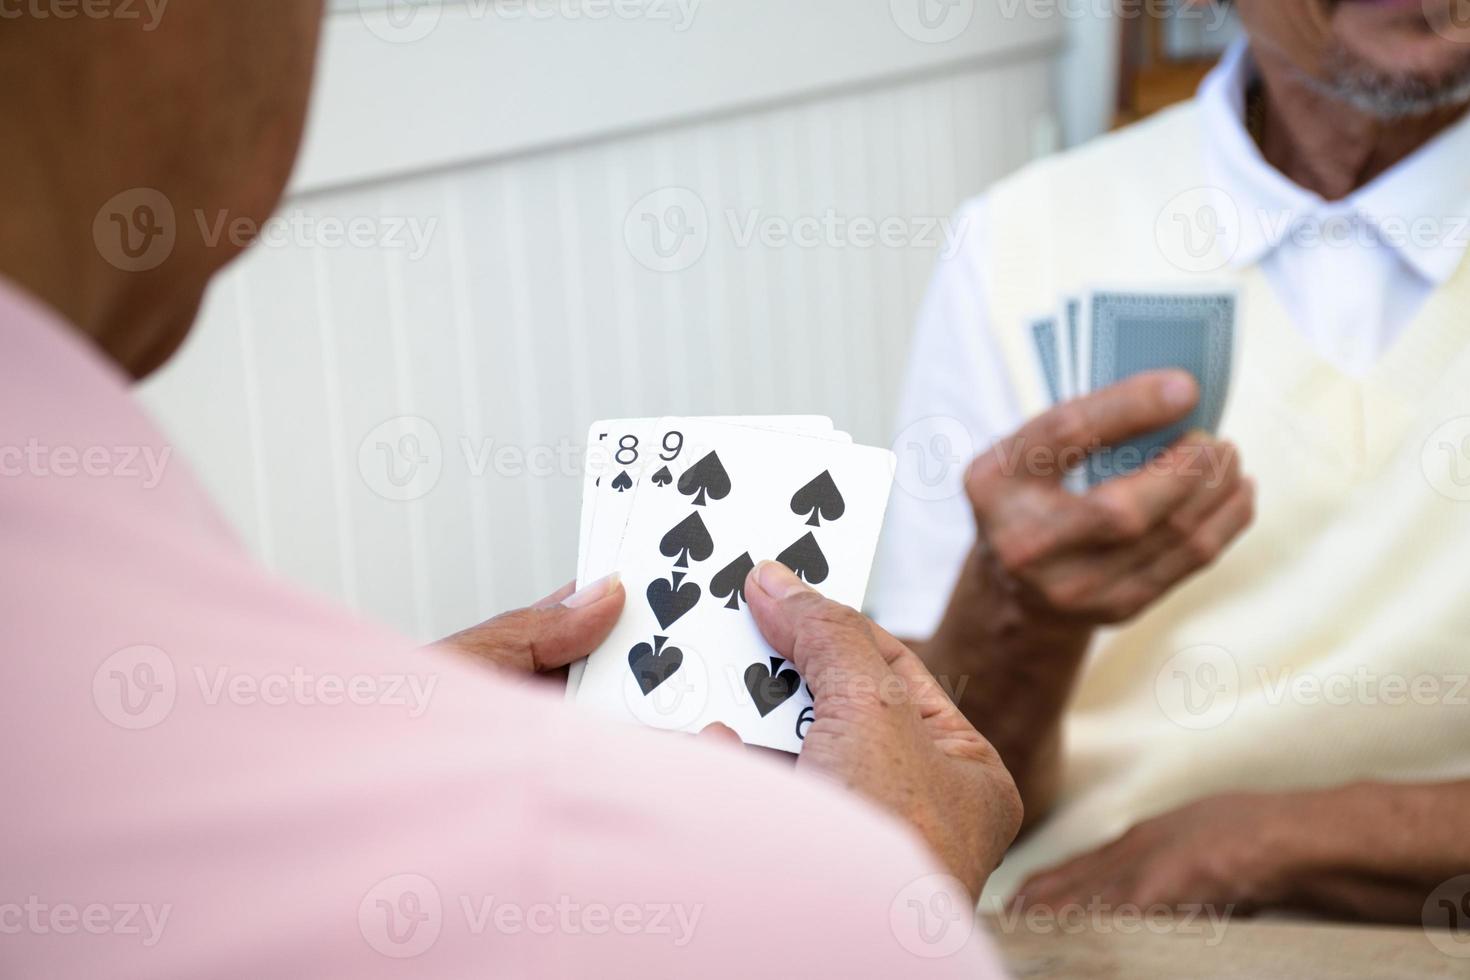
210, 775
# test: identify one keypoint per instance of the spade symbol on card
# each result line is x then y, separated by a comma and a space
690, 539
770, 687
671, 601
705, 479
805, 558
623, 483
652, 665
663, 477
821, 499
729, 583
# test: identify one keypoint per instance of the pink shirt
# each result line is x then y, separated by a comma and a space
208, 774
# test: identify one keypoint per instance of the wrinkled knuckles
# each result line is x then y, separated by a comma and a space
1203, 550
1180, 525
984, 482
1066, 426
1017, 550
1127, 605
1071, 593
827, 628
1119, 519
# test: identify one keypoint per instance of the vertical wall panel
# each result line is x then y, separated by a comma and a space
525, 316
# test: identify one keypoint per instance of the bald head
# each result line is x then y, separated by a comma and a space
121, 129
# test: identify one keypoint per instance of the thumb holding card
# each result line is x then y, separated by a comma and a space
829, 643
557, 631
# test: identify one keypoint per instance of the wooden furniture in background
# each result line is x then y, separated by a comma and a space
1150, 78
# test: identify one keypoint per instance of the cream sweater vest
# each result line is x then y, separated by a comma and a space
1330, 644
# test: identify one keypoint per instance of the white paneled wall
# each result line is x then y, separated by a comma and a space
528, 314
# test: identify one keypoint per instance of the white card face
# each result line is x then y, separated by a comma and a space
686, 652
632, 447
618, 446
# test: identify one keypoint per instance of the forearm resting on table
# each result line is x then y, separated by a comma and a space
1011, 674
1376, 851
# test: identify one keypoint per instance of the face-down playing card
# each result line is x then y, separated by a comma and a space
687, 652
1129, 332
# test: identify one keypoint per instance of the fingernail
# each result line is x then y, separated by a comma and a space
778, 581
592, 592
1179, 390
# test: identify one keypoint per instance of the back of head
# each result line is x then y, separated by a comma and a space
129, 130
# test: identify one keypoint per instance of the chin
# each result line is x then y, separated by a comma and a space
1400, 58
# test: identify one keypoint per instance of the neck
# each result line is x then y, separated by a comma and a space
1326, 145
47, 249
40, 246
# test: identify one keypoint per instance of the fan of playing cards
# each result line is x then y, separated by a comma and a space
1108, 335
684, 509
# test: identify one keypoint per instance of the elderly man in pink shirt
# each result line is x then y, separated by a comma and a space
208, 774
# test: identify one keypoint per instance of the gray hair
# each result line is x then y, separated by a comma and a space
1390, 97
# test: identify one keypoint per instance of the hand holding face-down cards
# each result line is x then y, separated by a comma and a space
1104, 336
1138, 382
1103, 556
